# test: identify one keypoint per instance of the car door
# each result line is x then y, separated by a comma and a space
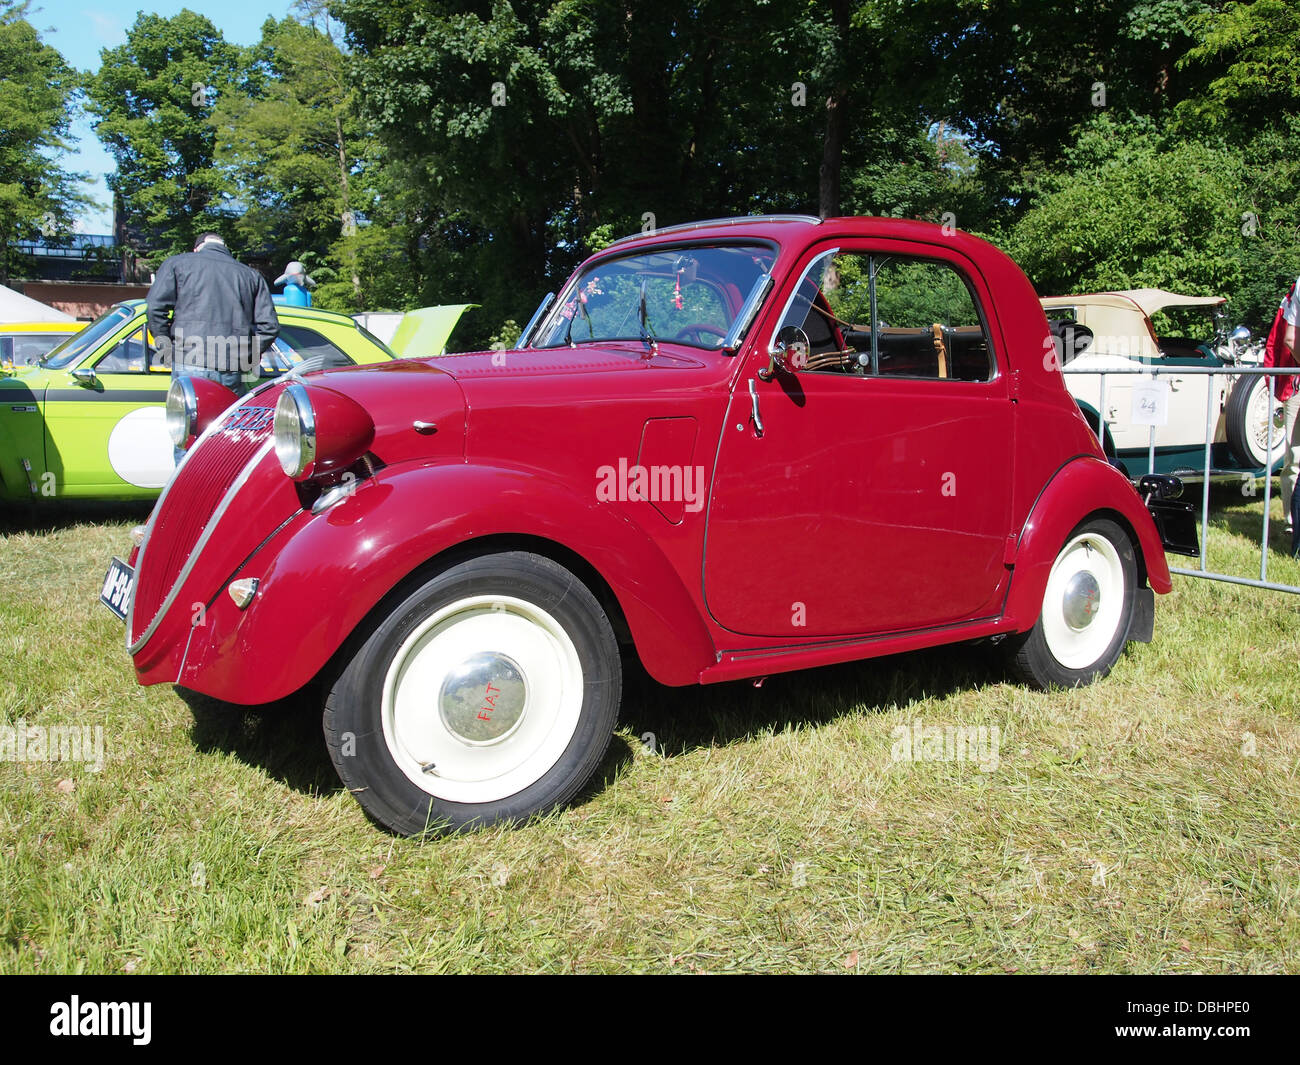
106, 434
870, 490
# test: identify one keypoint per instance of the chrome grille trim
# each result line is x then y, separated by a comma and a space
195, 551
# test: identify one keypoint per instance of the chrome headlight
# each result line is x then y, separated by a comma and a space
182, 411
294, 431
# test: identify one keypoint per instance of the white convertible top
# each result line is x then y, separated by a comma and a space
1147, 300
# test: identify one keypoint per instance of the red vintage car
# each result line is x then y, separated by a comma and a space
732, 448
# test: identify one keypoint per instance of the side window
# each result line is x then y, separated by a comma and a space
890, 315
130, 355
296, 344
929, 325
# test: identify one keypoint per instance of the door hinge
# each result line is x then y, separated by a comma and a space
1010, 549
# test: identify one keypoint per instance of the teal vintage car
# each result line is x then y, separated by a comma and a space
87, 422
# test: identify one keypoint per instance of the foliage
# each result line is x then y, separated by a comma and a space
291, 151
151, 99
38, 198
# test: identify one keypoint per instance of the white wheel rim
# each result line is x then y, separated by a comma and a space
432, 726
1258, 415
1084, 601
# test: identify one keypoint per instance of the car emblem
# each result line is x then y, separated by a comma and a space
250, 419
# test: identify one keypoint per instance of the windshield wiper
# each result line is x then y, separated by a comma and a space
647, 335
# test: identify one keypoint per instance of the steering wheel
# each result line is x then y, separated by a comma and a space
700, 329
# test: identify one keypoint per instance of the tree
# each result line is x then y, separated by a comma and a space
1245, 61
38, 89
1132, 208
293, 153
152, 97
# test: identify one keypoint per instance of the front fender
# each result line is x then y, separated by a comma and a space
321, 575
1083, 487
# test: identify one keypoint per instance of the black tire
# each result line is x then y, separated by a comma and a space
1063, 649
1248, 411
515, 623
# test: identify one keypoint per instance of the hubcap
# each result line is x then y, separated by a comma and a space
482, 700
1084, 605
1082, 600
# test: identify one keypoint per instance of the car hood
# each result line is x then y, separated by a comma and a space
425, 331
28, 378
582, 359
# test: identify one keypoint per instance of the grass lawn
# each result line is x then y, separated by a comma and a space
1146, 824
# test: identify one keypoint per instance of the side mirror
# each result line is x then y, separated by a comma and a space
789, 354
85, 376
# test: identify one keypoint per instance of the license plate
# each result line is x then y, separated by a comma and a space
118, 583
1176, 523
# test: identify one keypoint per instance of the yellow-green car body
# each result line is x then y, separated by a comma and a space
87, 422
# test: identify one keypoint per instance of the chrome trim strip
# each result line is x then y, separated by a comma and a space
542, 307
197, 549
748, 312
213, 427
732, 220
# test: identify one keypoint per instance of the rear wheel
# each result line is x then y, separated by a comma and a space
489, 694
1249, 411
1087, 609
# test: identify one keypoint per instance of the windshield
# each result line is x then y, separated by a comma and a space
687, 295
79, 343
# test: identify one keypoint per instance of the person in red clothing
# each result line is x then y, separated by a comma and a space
1281, 352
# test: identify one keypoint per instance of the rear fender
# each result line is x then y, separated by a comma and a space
1084, 487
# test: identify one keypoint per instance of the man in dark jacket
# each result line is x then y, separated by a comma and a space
210, 315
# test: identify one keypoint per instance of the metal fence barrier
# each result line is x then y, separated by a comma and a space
1210, 418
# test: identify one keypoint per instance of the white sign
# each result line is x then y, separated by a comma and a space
1150, 403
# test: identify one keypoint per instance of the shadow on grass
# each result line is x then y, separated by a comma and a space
282, 738
52, 517
1240, 515
685, 719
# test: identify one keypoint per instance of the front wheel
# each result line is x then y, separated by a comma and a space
488, 694
1087, 609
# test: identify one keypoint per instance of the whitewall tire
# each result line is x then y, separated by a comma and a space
487, 694
1087, 610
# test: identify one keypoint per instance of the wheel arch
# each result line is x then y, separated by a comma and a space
318, 581
1093, 417
1084, 487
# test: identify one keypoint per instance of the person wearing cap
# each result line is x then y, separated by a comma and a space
296, 283
210, 315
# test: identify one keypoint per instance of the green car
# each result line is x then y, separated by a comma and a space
87, 422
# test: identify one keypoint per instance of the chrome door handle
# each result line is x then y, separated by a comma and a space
754, 415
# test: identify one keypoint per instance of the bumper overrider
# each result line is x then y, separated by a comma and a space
199, 613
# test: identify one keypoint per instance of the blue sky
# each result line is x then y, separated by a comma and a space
80, 29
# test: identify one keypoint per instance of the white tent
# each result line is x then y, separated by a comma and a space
15, 307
